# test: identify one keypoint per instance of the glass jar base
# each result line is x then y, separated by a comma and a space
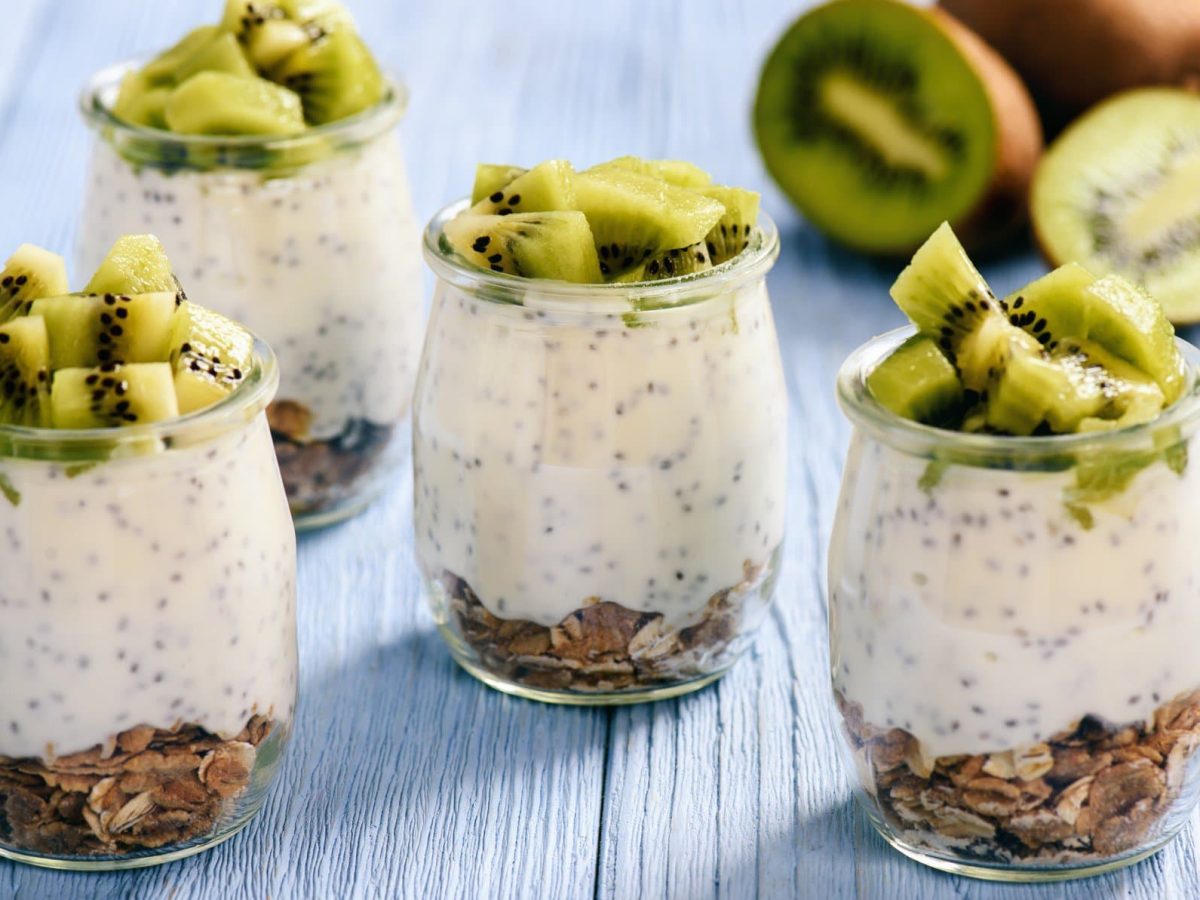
339, 511
578, 698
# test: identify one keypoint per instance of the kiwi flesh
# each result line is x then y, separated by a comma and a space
546, 187
1117, 192
224, 104
112, 395
731, 235
93, 329
670, 264
334, 75
24, 372
550, 245
210, 356
880, 120
139, 104
917, 382
162, 70
135, 264
492, 177
673, 171
221, 54
28, 274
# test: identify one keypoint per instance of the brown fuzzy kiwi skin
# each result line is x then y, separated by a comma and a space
1073, 53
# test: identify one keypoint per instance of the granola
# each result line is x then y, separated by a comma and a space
144, 789
605, 647
1094, 790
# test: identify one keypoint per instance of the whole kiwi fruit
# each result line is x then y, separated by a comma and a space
1073, 53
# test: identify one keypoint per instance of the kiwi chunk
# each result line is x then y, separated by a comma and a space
731, 235
1032, 389
221, 54
916, 381
210, 356
224, 104
24, 372
546, 187
335, 77
492, 177
670, 264
553, 245
112, 395
264, 30
162, 71
28, 274
93, 329
135, 264
673, 171
141, 104
880, 120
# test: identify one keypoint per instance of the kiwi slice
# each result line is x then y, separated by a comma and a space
731, 235
28, 274
335, 76
24, 372
633, 217
264, 30
554, 245
1117, 192
221, 54
916, 381
546, 187
210, 355
135, 264
492, 177
1032, 389
880, 120
162, 71
92, 329
224, 104
112, 394
673, 171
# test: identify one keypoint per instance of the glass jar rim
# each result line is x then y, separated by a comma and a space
247, 400
916, 439
99, 92
647, 298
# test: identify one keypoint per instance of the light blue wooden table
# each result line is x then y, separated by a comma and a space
406, 778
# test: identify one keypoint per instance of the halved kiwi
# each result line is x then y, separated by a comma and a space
553, 245
1119, 192
881, 120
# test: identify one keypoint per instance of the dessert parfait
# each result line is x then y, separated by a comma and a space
1013, 583
599, 429
148, 648
262, 151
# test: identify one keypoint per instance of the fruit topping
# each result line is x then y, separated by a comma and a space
29, 273
556, 245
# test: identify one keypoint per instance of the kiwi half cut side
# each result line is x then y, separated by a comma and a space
1119, 192
880, 120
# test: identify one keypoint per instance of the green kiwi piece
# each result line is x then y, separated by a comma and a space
673, 171
553, 245
328, 15
1117, 193
24, 372
492, 177
221, 54
546, 187
93, 329
880, 119
1032, 389
210, 355
264, 30
917, 382
140, 104
28, 274
335, 77
135, 264
731, 235
162, 70
633, 217
669, 264
222, 104
112, 395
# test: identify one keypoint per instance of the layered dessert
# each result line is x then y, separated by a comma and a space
600, 423
148, 653
262, 152
1013, 581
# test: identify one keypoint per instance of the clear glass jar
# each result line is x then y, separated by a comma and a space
599, 475
311, 241
148, 639
1012, 629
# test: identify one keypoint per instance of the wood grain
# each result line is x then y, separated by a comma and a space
406, 778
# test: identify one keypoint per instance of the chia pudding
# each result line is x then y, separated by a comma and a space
599, 494
321, 258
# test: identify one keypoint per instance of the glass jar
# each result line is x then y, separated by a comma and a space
148, 647
1012, 623
599, 475
311, 241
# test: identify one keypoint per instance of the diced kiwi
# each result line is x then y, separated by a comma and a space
670, 264
917, 382
1032, 389
328, 15
24, 372
28, 274
112, 395
264, 30
546, 187
92, 329
335, 77
221, 54
634, 217
731, 235
162, 70
553, 245
223, 104
673, 171
141, 104
135, 264
1117, 191
210, 355
492, 177
880, 119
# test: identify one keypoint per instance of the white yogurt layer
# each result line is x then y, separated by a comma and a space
981, 616
560, 457
151, 590
324, 265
